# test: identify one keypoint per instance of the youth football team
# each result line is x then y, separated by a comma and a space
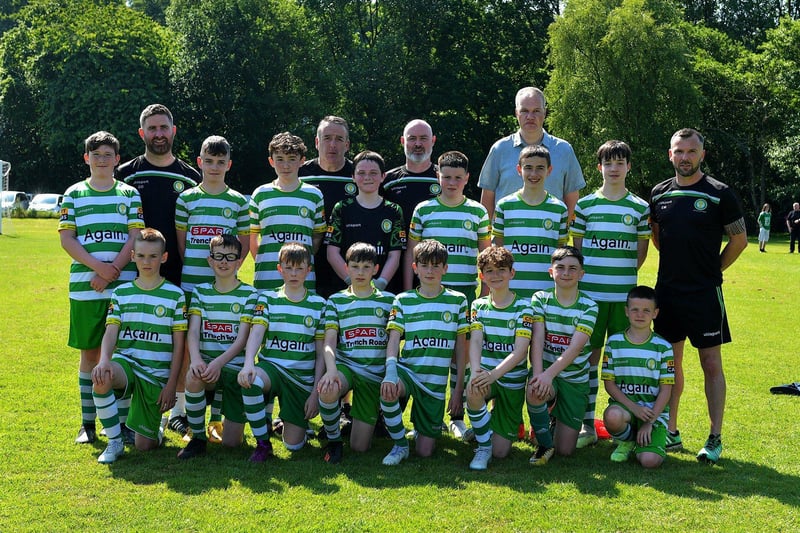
505, 313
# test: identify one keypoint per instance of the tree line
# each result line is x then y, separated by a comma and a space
634, 70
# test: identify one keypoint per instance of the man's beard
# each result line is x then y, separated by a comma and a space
418, 158
160, 149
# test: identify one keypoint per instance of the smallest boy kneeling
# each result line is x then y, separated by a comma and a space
563, 321
355, 351
289, 322
433, 321
142, 350
638, 373
220, 315
500, 335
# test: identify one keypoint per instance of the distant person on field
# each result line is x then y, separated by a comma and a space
690, 212
793, 225
638, 373
611, 229
100, 217
764, 225
142, 350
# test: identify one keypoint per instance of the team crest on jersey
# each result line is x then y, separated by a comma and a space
160, 311
467, 225
548, 224
575, 321
236, 308
304, 212
379, 312
386, 225
122, 209
350, 189
435, 189
511, 323
627, 219
447, 317
178, 186
700, 204
227, 212
651, 364
308, 321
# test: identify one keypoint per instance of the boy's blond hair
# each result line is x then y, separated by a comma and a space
294, 253
495, 256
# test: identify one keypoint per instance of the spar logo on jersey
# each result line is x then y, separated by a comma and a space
350, 189
700, 204
548, 224
467, 225
308, 321
303, 212
447, 317
386, 225
628, 220
178, 186
554, 339
236, 308
206, 231
227, 212
361, 333
122, 209
218, 327
160, 311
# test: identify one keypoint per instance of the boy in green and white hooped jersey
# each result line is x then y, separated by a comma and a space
612, 231
531, 223
220, 315
212, 208
284, 210
433, 321
355, 351
500, 335
638, 373
142, 350
100, 216
563, 320
462, 226
289, 323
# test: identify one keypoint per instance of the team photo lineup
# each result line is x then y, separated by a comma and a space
497, 319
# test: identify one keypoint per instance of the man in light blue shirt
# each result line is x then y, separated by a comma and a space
499, 176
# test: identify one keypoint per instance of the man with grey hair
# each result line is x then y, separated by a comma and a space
499, 177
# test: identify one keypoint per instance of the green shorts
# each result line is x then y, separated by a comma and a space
507, 411
144, 416
232, 403
571, 401
366, 395
427, 412
610, 319
292, 397
87, 323
658, 437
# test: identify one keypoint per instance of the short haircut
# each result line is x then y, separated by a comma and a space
225, 240
686, 133
151, 235
288, 144
454, 159
496, 256
216, 145
368, 155
566, 251
643, 292
417, 122
430, 251
529, 91
155, 109
614, 150
294, 253
535, 150
361, 252
332, 119
101, 138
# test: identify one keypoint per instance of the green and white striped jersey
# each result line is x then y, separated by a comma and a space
221, 314
611, 231
361, 326
531, 233
430, 327
459, 229
202, 216
147, 319
501, 327
560, 324
639, 369
280, 217
101, 221
292, 329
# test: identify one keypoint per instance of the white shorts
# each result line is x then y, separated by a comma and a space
763, 235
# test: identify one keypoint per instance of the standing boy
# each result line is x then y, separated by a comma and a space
355, 351
638, 373
220, 315
142, 350
612, 231
282, 211
764, 225
99, 219
563, 320
289, 322
531, 223
498, 345
433, 321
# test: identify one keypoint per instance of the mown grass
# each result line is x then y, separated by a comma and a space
52, 484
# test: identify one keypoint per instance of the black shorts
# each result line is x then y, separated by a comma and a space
698, 315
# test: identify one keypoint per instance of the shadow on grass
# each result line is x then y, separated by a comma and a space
589, 472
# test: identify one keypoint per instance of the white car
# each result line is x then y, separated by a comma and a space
46, 202
13, 200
